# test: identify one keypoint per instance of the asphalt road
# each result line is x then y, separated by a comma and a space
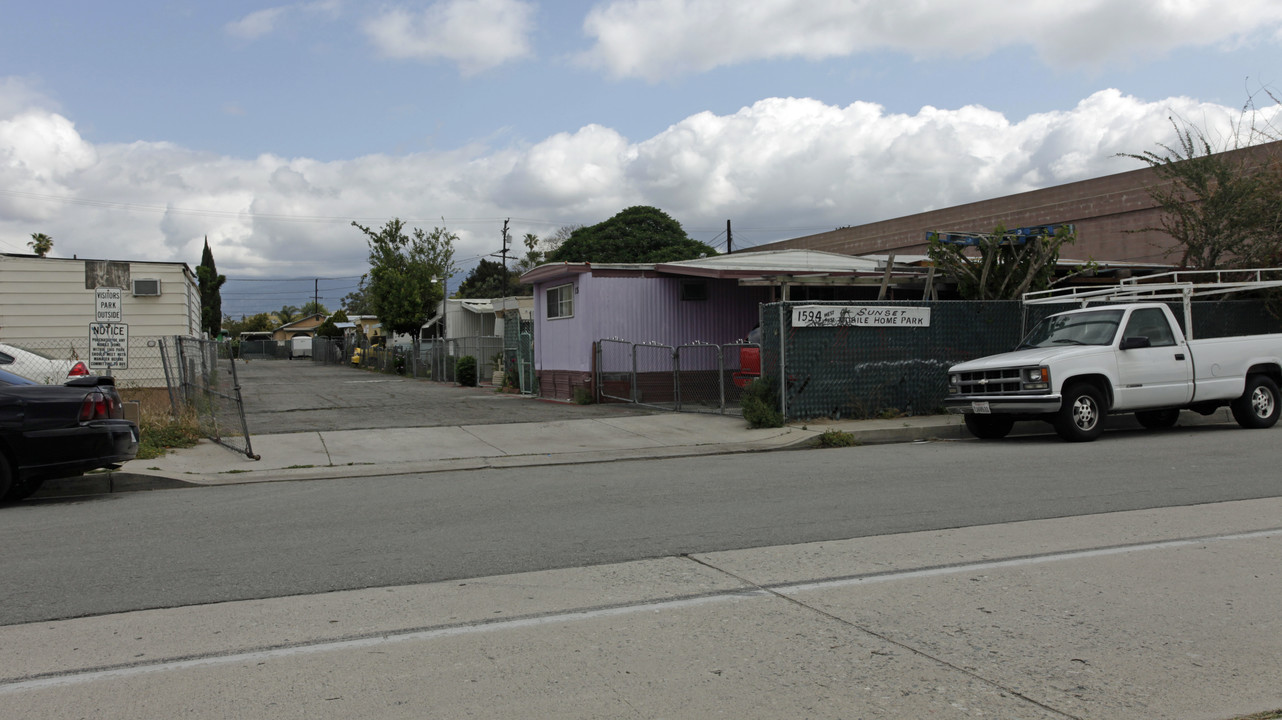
67, 558
284, 396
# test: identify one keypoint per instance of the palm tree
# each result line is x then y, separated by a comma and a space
40, 244
287, 315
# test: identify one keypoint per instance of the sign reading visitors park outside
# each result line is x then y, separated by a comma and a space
859, 316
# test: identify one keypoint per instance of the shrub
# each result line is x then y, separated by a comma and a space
465, 371
836, 438
761, 404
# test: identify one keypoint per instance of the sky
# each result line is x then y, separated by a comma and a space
134, 131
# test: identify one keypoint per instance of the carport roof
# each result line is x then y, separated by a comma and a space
739, 266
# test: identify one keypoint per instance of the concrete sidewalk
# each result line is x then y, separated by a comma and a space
395, 451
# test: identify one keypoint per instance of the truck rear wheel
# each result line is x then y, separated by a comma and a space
1081, 417
989, 427
1258, 406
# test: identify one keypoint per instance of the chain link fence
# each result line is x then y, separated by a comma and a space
433, 359
48, 360
848, 371
201, 376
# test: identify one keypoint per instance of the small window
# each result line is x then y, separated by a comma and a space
1150, 323
694, 290
561, 302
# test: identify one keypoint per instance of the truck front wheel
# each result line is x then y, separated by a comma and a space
989, 427
1258, 406
1081, 417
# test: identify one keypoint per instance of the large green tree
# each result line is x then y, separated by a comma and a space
211, 295
407, 273
329, 328
489, 279
1222, 209
1000, 265
639, 234
357, 301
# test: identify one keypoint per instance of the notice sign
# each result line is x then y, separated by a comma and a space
108, 345
859, 316
110, 305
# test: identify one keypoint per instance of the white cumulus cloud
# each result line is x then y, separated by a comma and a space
475, 34
780, 168
657, 39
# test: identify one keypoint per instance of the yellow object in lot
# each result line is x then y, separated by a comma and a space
356, 356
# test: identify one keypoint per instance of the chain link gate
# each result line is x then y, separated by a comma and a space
201, 375
695, 377
699, 385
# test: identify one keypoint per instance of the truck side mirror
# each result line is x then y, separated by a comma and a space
1138, 341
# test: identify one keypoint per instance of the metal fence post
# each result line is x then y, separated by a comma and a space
783, 366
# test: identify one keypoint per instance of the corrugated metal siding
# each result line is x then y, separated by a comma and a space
641, 309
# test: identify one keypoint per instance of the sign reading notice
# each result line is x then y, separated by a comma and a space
108, 345
859, 316
109, 305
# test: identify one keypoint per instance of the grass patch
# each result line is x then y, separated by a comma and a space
836, 439
159, 432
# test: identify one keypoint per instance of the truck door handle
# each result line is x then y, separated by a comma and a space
1179, 356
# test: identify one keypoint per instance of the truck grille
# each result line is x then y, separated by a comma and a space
990, 382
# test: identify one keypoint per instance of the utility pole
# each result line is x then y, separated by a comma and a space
506, 280
729, 239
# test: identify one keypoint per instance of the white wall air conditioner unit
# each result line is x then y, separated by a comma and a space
146, 287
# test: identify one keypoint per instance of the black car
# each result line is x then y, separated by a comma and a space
52, 431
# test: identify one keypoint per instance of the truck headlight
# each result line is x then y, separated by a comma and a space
1038, 378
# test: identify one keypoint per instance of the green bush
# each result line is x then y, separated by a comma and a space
465, 371
761, 404
836, 439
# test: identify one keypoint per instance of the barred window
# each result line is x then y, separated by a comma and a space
561, 302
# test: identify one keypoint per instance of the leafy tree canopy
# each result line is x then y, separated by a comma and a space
639, 234
1221, 208
406, 273
488, 280
262, 322
329, 328
357, 301
1000, 265
312, 307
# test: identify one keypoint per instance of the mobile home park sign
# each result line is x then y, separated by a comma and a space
859, 316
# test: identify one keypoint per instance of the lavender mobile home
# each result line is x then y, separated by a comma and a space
710, 300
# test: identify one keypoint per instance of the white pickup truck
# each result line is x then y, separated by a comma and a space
1075, 367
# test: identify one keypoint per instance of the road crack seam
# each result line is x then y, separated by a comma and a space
778, 592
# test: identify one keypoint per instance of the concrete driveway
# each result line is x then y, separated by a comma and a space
288, 396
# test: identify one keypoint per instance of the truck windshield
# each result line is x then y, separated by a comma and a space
1088, 328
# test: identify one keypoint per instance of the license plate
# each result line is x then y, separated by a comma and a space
980, 407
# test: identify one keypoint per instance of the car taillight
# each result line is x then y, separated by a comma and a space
78, 370
95, 406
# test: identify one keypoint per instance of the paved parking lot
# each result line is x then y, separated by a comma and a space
283, 396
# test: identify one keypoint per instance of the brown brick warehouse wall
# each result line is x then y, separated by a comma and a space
1109, 213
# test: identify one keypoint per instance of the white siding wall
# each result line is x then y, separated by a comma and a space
46, 298
45, 306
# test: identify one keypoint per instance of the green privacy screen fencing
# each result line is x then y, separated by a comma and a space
891, 362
